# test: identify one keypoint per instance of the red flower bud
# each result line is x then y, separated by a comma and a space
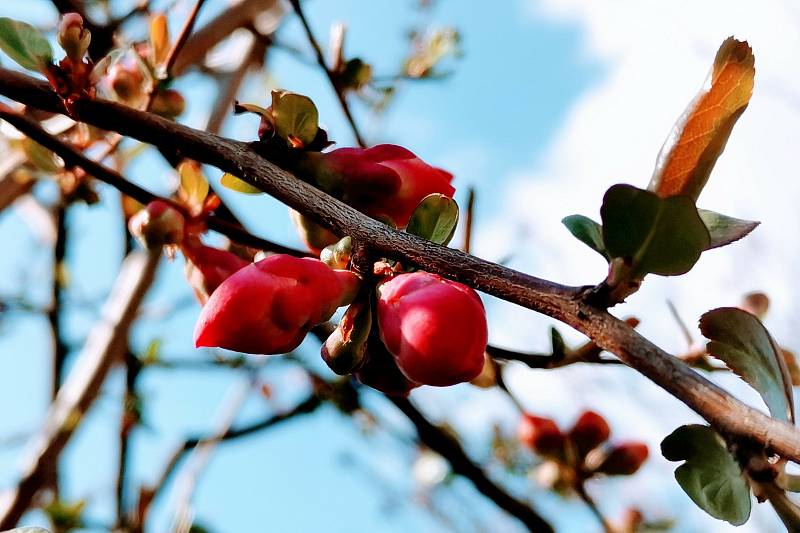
624, 459
435, 328
590, 431
268, 307
541, 435
73, 37
383, 181
158, 224
207, 268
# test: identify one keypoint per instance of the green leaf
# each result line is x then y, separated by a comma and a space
711, 477
662, 236
296, 117
435, 218
25, 44
152, 353
587, 231
239, 108
559, 347
742, 342
724, 229
229, 181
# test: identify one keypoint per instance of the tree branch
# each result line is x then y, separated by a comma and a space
186, 31
73, 157
728, 415
103, 347
307, 406
449, 448
216, 30
328, 73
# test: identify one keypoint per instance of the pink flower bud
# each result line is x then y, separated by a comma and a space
624, 459
268, 307
207, 268
435, 328
158, 224
382, 181
541, 435
590, 431
73, 37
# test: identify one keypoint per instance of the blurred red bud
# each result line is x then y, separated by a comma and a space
624, 459
541, 435
590, 431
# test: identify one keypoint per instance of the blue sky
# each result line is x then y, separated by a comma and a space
320, 471
549, 97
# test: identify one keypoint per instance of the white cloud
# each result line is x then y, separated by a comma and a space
656, 56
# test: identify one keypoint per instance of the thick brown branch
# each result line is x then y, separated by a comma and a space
104, 346
73, 157
727, 414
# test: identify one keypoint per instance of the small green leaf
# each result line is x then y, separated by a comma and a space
587, 231
233, 183
355, 74
42, 158
559, 347
724, 229
711, 477
25, 44
662, 236
152, 353
742, 342
435, 218
239, 108
296, 117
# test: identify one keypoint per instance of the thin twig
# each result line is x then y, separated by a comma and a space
449, 448
307, 406
82, 387
54, 313
337, 88
468, 221
581, 490
179, 43
681, 324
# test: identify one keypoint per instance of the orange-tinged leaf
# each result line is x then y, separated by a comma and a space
194, 187
159, 38
700, 135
